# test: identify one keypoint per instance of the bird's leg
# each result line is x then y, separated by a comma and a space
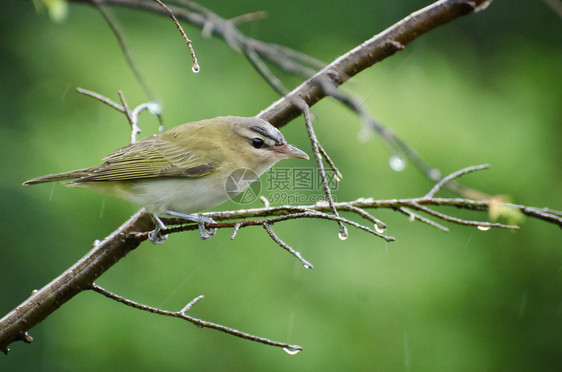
155, 236
201, 220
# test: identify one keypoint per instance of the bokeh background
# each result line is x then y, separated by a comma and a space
483, 89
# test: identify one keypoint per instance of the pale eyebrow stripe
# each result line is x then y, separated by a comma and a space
265, 133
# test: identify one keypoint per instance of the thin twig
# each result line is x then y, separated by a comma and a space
132, 116
280, 213
237, 226
366, 215
133, 122
460, 221
395, 145
198, 322
154, 109
315, 148
265, 72
248, 17
195, 67
354, 224
267, 226
190, 304
412, 216
101, 98
452, 176
116, 29
326, 157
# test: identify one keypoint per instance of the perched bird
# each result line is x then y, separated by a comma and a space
184, 169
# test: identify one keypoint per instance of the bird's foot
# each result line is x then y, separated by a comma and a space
204, 232
155, 236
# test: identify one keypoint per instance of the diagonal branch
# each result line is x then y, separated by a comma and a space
374, 50
75, 279
119, 35
195, 67
318, 156
267, 226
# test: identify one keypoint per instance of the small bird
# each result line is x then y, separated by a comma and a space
184, 170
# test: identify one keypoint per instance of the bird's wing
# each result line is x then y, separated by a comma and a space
152, 157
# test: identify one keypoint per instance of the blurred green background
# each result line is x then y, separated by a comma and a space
484, 89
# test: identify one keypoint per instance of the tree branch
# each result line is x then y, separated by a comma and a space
182, 314
374, 50
81, 276
78, 277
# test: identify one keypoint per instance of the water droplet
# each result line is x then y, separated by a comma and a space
343, 234
397, 163
291, 350
154, 108
484, 228
364, 134
338, 177
412, 218
195, 69
434, 174
307, 266
379, 229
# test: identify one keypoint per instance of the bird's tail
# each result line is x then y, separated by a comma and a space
59, 176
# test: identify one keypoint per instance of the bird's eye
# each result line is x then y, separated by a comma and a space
257, 143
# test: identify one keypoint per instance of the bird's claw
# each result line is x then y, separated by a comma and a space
156, 237
204, 232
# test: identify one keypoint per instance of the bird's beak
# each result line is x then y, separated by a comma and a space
290, 151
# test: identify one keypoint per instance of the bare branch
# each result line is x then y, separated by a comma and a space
337, 173
101, 98
78, 277
555, 5
377, 48
317, 154
116, 29
378, 223
265, 72
132, 120
452, 176
380, 46
281, 214
248, 17
460, 221
267, 226
198, 322
190, 304
414, 216
195, 67
132, 116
